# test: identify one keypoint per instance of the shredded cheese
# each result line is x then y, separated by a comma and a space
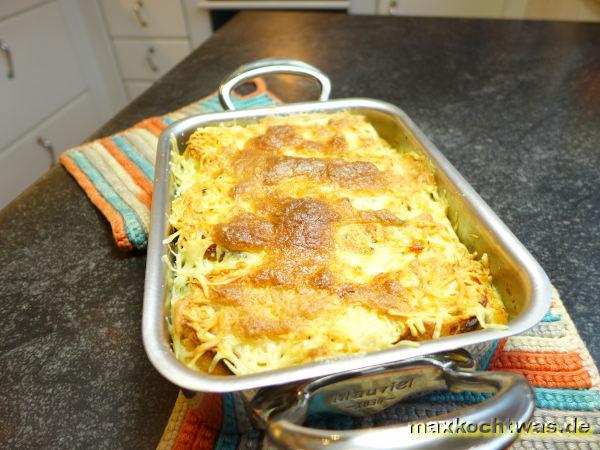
307, 237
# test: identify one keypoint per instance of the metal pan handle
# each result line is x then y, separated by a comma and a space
271, 66
513, 402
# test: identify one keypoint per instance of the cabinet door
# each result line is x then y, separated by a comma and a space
450, 8
198, 21
553, 10
135, 88
136, 18
10, 7
46, 73
149, 59
28, 158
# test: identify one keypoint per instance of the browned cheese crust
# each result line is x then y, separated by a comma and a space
293, 229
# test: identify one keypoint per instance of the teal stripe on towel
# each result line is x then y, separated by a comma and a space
228, 436
213, 104
330, 422
549, 317
254, 102
566, 399
133, 227
547, 398
135, 157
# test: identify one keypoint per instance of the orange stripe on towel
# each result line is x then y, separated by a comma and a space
575, 380
154, 125
202, 425
133, 170
156, 121
547, 362
115, 219
541, 369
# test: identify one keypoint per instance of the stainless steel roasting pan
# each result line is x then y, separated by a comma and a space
287, 395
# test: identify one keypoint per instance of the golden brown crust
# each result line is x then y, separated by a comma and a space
261, 163
297, 228
244, 232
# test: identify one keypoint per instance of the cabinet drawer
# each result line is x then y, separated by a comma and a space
149, 59
46, 73
25, 160
135, 88
137, 18
10, 7
452, 8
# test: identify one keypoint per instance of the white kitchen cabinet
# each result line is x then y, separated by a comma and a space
149, 59
148, 37
144, 18
33, 154
69, 126
20, 165
45, 71
198, 22
580, 10
135, 88
584, 10
75, 63
10, 7
61, 87
449, 8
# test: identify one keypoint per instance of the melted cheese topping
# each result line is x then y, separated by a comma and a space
306, 237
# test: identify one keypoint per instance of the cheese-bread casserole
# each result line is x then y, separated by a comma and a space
306, 237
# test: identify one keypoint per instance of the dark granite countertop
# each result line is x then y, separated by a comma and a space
514, 105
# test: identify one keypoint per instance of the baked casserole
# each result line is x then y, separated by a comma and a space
308, 237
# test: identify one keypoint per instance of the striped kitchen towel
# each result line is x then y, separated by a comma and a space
117, 172
551, 356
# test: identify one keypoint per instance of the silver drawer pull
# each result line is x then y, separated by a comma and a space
137, 12
6, 49
150, 59
46, 145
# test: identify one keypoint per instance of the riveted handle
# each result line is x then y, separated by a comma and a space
271, 66
10, 73
352, 393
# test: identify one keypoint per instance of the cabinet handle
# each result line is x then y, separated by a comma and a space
150, 59
46, 145
137, 12
6, 49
